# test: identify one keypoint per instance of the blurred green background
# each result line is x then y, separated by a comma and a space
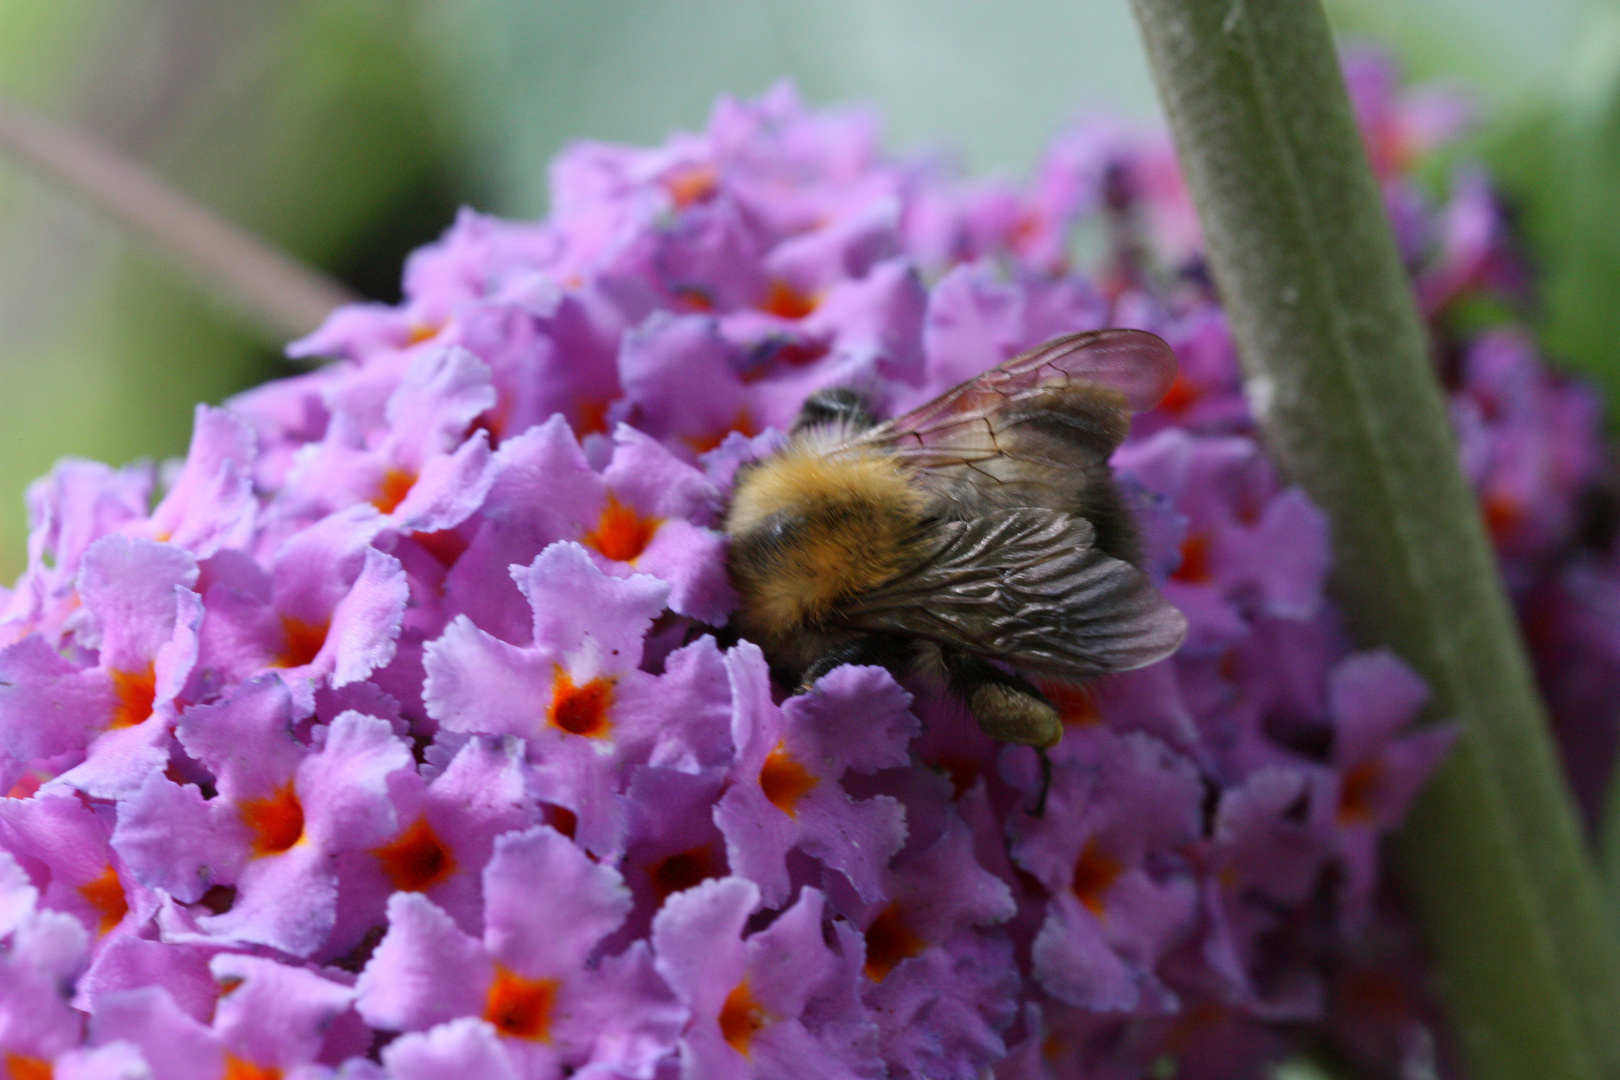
347, 131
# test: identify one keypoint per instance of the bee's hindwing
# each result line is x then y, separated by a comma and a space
1027, 587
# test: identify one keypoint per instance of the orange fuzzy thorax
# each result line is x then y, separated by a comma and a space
853, 521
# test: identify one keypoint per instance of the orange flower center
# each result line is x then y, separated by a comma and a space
1502, 514
580, 710
1180, 395
1073, 703
277, 820
1357, 789
136, 691
786, 302
702, 444
741, 1018
962, 770
785, 781
691, 184
422, 331
396, 484
1194, 568
238, 1069
1094, 874
445, 545
416, 860
31, 782
19, 1067
521, 1007
694, 297
303, 641
592, 418
562, 819
684, 869
106, 895
621, 533
888, 941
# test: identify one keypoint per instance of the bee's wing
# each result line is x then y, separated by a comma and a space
1133, 367
1023, 432
1025, 586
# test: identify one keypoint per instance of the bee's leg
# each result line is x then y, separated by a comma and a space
1007, 708
1039, 809
879, 650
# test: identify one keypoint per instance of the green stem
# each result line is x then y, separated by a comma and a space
1608, 841
1339, 375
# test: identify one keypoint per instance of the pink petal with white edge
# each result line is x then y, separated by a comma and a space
578, 610
272, 1013
424, 971
467, 1047
211, 503
128, 586
549, 933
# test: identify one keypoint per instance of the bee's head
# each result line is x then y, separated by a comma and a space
834, 405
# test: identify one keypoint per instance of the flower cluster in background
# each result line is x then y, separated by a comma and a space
394, 732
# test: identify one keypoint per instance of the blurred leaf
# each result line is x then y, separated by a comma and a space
1300, 1069
1559, 162
309, 126
1504, 50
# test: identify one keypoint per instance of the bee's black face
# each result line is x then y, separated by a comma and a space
835, 405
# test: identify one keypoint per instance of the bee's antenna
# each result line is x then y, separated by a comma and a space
1039, 809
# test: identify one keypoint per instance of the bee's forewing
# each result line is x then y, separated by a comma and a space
1136, 365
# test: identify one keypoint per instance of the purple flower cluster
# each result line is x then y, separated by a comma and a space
392, 733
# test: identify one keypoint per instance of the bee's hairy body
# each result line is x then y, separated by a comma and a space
980, 535
810, 531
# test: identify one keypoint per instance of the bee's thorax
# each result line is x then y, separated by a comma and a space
809, 531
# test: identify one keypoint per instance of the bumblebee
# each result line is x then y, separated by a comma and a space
981, 535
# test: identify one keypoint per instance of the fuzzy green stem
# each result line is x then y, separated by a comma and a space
1339, 375
1608, 841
